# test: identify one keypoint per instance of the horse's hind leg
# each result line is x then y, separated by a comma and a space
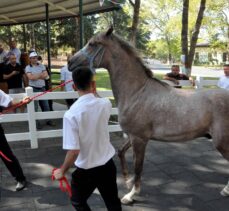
139, 146
121, 154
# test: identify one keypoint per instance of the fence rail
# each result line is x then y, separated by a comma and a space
31, 116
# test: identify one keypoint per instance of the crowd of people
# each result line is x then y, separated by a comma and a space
19, 70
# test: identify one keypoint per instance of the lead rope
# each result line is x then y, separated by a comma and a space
4, 156
34, 97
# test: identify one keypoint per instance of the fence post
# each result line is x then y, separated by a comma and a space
32, 120
199, 82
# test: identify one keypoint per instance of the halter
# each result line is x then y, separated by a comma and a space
91, 57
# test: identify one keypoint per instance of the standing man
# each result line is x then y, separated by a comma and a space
66, 75
86, 137
37, 74
3, 55
16, 51
12, 164
224, 80
14, 75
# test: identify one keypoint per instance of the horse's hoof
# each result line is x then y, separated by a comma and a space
225, 191
127, 200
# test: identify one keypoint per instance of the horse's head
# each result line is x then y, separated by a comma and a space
93, 53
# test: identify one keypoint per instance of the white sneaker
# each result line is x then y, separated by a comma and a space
20, 185
225, 191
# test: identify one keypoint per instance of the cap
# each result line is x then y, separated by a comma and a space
33, 54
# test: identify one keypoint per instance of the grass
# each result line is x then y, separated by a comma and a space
103, 80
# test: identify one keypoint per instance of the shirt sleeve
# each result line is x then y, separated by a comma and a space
4, 99
43, 67
70, 134
219, 84
27, 69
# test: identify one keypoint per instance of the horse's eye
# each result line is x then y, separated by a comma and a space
91, 44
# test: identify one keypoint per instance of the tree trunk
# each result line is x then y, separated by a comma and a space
184, 33
77, 43
10, 34
189, 54
134, 27
195, 34
228, 42
169, 48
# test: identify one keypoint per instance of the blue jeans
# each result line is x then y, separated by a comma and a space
43, 103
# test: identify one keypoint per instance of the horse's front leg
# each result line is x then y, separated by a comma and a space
139, 146
121, 154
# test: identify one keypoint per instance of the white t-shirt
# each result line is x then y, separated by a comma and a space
85, 128
223, 82
66, 75
36, 69
4, 99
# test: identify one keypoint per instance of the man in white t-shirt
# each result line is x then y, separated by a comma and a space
224, 80
10, 159
86, 137
66, 75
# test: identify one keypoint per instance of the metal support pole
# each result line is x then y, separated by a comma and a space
48, 35
81, 23
24, 38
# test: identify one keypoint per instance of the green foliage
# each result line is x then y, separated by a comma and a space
158, 35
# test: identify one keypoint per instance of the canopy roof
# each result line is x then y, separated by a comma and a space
27, 11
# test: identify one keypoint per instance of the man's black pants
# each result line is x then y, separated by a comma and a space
14, 166
84, 182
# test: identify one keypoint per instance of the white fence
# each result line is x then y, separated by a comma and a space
31, 116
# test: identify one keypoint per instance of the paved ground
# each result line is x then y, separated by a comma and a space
177, 177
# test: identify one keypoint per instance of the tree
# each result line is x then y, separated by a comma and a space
136, 10
189, 53
165, 25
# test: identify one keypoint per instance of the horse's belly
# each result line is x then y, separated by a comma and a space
166, 134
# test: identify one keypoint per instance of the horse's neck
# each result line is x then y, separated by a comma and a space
127, 77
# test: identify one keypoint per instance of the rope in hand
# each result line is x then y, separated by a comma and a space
12, 108
4, 156
62, 181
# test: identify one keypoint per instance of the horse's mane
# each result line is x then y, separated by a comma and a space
132, 51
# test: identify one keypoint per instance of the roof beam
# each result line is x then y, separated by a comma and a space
59, 7
8, 19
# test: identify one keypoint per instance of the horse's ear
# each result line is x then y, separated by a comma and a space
109, 31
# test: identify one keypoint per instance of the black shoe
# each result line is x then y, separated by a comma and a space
21, 185
50, 123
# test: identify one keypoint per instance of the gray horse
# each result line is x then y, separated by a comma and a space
150, 109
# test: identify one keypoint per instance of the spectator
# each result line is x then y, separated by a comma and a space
3, 55
37, 74
15, 76
224, 80
175, 76
48, 84
66, 75
15, 50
